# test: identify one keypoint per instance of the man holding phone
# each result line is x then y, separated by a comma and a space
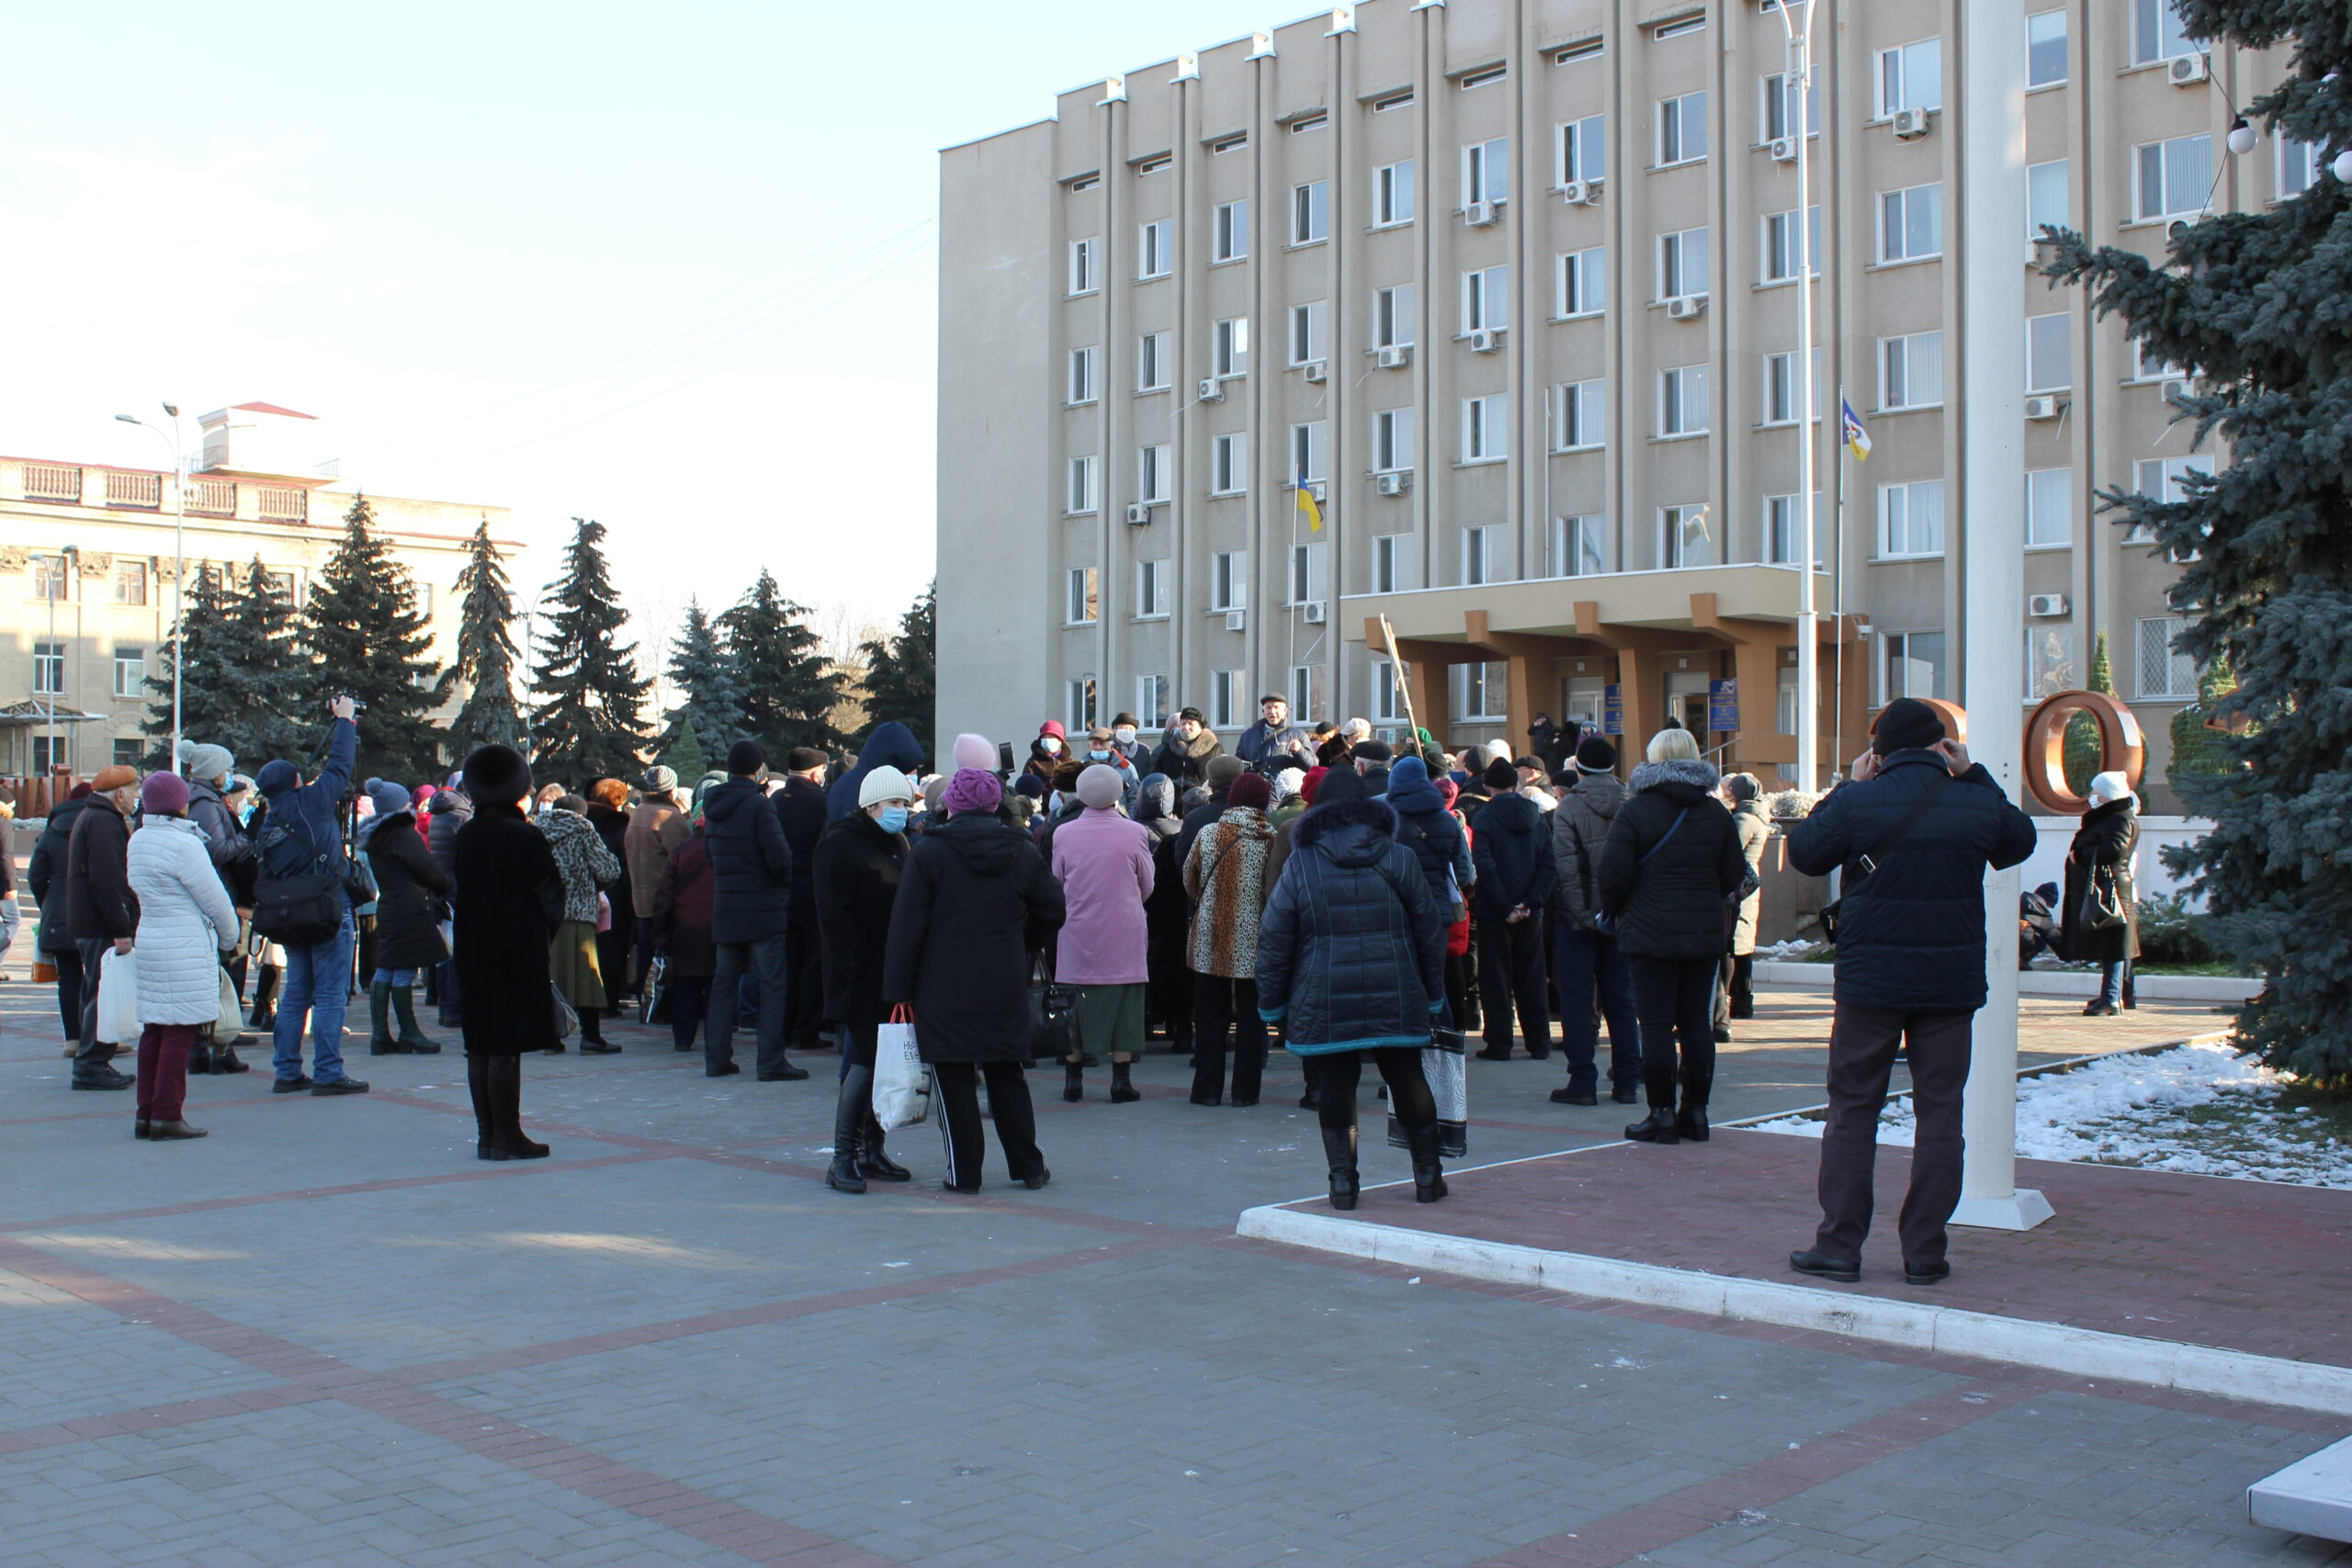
303, 837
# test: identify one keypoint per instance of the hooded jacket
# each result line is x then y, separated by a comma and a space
891, 745
1755, 831
1513, 856
1168, 911
974, 903
410, 885
1351, 950
801, 810
1579, 826
1433, 834
448, 811
751, 860
1670, 905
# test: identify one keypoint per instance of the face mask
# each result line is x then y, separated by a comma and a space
1124, 736
1052, 747
1098, 756
893, 819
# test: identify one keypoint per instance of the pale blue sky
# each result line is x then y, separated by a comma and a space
673, 267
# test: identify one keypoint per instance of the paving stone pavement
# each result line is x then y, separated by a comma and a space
327, 1335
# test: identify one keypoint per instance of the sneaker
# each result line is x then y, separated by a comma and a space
295, 1085
1825, 1267
339, 1086
1575, 1097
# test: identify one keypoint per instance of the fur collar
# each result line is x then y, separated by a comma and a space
1689, 770
1322, 821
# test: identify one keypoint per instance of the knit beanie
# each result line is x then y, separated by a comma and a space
974, 751
1499, 751
207, 762
387, 796
1500, 774
1225, 768
744, 759
1595, 755
972, 789
1250, 790
1098, 786
1286, 783
661, 780
164, 794
1310, 781
1408, 771
1742, 787
1029, 787
885, 783
1907, 723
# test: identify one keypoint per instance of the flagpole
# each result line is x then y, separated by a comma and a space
1797, 112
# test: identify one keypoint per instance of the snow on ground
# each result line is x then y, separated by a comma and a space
2197, 1108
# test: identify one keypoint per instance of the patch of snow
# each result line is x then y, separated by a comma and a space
1785, 952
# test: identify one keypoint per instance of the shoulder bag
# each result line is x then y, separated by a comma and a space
1867, 861
297, 911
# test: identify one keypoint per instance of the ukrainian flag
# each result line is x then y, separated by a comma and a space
1307, 503
1858, 440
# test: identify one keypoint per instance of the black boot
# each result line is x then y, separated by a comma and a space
1429, 1171
592, 1034
379, 1022
1657, 1127
874, 1161
486, 1143
1340, 1154
410, 1037
224, 1060
507, 1097
1122, 1090
1073, 1081
849, 1130
265, 996
1692, 1123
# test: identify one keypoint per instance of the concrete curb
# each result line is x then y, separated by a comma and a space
2053, 982
2053, 1347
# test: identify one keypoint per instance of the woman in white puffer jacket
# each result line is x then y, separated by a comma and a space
185, 922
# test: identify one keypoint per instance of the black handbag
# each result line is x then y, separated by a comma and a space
298, 911
1053, 1018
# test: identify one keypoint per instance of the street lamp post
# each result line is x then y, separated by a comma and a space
179, 556
1797, 98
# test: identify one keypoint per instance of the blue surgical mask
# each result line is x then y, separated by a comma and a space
893, 819
1098, 756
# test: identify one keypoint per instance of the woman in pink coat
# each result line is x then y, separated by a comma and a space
1105, 864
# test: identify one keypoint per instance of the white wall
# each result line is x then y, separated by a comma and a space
2054, 833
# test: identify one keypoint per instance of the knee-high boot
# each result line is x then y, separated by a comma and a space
1429, 1172
379, 1022
412, 1037
1340, 1154
266, 997
850, 1110
506, 1089
486, 1143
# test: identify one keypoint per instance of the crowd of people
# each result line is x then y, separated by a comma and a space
1317, 886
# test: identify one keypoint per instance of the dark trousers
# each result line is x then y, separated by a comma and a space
452, 1010
1337, 1072
1510, 971
1735, 987
1457, 990
1224, 1009
93, 1053
1862, 1044
163, 1070
1593, 974
765, 960
69, 989
1675, 995
955, 1086
689, 1002
612, 957
804, 1006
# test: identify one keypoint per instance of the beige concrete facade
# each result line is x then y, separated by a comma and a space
1601, 482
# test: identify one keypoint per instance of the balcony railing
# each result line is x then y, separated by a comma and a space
213, 498
276, 504
133, 490
53, 481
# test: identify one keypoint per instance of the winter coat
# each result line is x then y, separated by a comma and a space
1137, 756
1186, 762
856, 874
1755, 831
611, 826
581, 855
1436, 837
891, 745
655, 829
302, 829
1513, 857
1045, 764
410, 885
510, 899
1672, 903
1168, 911
1352, 948
99, 903
224, 841
1197, 819
1911, 934
184, 921
1104, 863
45, 874
683, 895
446, 812
1579, 827
800, 811
752, 863
1231, 872
974, 902
2106, 841
1269, 751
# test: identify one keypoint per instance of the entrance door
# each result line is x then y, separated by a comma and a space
1686, 701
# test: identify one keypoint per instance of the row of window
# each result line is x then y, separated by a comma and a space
1232, 698
134, 583
1915, 664
48, 671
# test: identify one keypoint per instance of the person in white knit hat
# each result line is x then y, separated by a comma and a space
2100, 906
859, 860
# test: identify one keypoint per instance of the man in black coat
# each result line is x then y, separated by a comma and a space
1185, 751
101, 909
46, 875
1916, 827
1512, 853
800, 811
752, 868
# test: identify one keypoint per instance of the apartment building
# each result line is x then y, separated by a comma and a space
1480, 319
87, 572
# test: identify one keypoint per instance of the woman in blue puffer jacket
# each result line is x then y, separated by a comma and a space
1352, 959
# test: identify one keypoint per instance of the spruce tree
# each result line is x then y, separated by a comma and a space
486, 652
903, 670
590, 724
210, 702
248, 687
685, 758
367, 638
2251, 304
710, 691
788, 692
2195, 748
2082, 749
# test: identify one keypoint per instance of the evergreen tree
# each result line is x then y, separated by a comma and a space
902, 671
367, 638
486, 652
686, 759
2251, 304
210, 702
247, 686
591, 725
788, 692
2195, 748
710, 691
2081, 751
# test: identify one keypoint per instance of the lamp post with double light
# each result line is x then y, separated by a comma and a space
179, 552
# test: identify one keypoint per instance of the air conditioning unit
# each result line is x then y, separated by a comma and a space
1392, 484
1478, 214
1139, 514
1910, 124
2046, 604
1392, 356
2176, 389
2188, 70
1315, 611
2044, 408
1580, 193
1235, 620
1315, 371
1785, 149
1212, 390
1686, 307
1486, 340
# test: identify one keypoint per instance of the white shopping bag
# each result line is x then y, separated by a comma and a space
901, 1081
119, 998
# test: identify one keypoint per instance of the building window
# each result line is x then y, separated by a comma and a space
1583, 149
1915, 665
1392, 194
1307, 573
1584, 416
1225, 698
2045, 48
1911, 371
1228, 464
2157, 33
129, 671
1576, 547
1229, 580
1310, 212
127, 750
1229, 347
1234, 143
2048, 197
1403, 100
1386, 703
1155, 361
1911, 519
1229, 240
1781, 394
1392, 563
1784, 703
1155, 250
1154, 473
1486, 428
1587, 48
2297, 166
1151, 590
1486, 299
2049, 507
1682, 263
1081, 375
1151, 701
1781, 241
2049, 353
1682, 28
49, 669
2050, 661
1083, 182
1083, 597
1309, 695
1683, 537
1486, 171
1392, 317
1308, 452
1484, 78
1485, 556
130, 582
287, 586
2148, 365
1780, 107
2162, 479
50, 580
1481, 692
2167, 674
1308, 338
1085, 268
1583, 283
2175, 177
1392, 440
1784, 525
1305, 123
1911, 223
1681, 130
1153, 165
1682, 400
49, 754
1078, 703
1083, 491
1911, 77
